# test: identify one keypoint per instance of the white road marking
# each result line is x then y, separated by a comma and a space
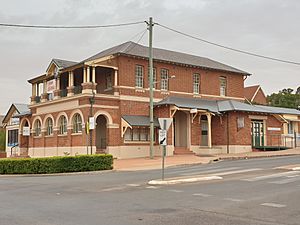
190, 170
292, 176
152, 187
233, 199
285, 181
275, 205
176, 191
210, 171
236, 171
113, 189
272, 176
202, 195
133, 185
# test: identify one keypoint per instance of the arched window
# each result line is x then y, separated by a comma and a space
49, 126
37, 128
77, 123
62, 125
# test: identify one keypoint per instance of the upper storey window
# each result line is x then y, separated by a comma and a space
154, 77
223, 86
164, 79
139, 76
196, 83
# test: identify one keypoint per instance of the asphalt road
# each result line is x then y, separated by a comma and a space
251, 192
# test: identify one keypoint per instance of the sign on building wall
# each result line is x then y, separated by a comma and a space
26, 131
274, 128
51, 86
240, 122
92, 123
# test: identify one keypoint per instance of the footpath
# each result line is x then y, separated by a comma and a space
177, 160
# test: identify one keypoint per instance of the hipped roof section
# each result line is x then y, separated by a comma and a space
221, 106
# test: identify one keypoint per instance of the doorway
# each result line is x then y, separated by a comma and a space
180, 129
204, 130
257, 132
101, 133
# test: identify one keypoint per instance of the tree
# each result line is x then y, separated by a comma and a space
2, 140
285, 98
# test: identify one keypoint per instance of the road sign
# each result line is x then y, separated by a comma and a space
165, 123
162, 137
91, 123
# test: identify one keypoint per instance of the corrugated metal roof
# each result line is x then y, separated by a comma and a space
134, 49
61, 63
192, 103
142, 121
21, 108
219, 106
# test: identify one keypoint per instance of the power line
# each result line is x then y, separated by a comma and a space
138, 41
229, 48
69, 27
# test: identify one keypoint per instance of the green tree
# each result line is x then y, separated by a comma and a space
285, 98
2, 140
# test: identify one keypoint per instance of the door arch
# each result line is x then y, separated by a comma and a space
101, 133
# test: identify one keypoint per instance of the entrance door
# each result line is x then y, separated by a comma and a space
101, 140
180, 129
257, 133
204, 131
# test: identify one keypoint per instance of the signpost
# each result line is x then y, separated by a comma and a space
164, 124
26, 131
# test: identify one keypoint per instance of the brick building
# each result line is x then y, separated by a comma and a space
255, 95
204, 98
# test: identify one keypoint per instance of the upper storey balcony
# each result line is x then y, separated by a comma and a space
83, 79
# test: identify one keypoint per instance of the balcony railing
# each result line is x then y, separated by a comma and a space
63, 93
77, 90
37, 99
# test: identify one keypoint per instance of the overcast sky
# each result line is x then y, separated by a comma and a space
267, 27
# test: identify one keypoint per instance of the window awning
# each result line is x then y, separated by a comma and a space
141, 121
136, 121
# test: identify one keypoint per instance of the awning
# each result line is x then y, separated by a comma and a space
141, 121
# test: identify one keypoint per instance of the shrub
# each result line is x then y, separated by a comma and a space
59, 164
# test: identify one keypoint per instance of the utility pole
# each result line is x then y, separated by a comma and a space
150, 28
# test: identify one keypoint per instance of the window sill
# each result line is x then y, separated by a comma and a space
164, 92
62, 135
136, 142
108, 89
49, 136
76, 134
139, 89
36, 137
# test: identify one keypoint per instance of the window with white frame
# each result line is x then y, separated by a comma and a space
49, 125
164, 79
290, 127
137, 134
223, 86
196, 83
154, 77
139, 76
77, 123
37, 128
13, 136
62, 125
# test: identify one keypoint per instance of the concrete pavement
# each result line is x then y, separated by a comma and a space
177, 160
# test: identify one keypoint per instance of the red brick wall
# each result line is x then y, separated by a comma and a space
273, 137
196, 132
237, 136
260, 98
183, 82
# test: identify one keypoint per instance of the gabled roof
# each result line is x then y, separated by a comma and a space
251, 91
20, 108
220, 106
61, 63
134, 49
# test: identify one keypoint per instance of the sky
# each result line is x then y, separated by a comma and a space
266, 27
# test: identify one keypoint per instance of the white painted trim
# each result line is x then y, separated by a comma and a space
255, 93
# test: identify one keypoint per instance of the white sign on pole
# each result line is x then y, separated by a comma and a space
92, 123
26, 131
162, 137
166, 121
